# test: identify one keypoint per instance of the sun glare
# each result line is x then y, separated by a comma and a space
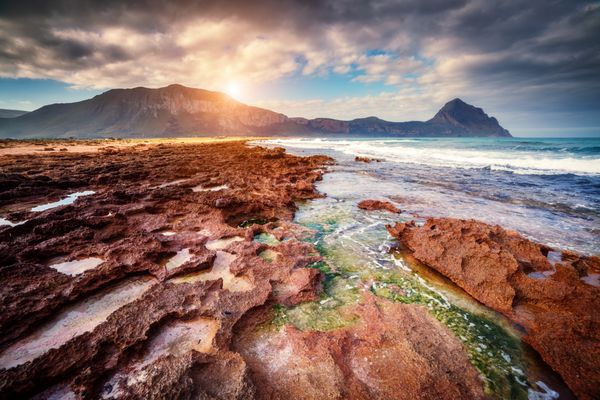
234, 90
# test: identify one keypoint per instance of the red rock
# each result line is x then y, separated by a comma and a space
372, 205
558, 310
144, 213
394, 351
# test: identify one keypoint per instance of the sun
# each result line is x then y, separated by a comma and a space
234, 89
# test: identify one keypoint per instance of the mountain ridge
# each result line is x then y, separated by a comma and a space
177, 110
8, 113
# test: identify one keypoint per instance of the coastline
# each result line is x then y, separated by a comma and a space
37, 146
232, 208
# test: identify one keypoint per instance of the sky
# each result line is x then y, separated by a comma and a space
535, 64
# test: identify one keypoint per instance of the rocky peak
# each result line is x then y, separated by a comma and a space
473, 119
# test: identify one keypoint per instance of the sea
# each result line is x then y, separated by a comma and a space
546, 189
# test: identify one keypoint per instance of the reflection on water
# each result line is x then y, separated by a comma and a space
74, 321
180, 258
175, 339
70, 199
221, 244
592, 279
5, 222
201, 188
219, 270
172, 183
77, 267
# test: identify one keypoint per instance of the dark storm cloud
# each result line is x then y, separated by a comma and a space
546, 51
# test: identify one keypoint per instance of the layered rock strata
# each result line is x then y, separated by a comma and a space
130, 291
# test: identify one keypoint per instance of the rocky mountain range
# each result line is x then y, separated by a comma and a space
177, 110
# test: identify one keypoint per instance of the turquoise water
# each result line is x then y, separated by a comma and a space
360, 256
547, 189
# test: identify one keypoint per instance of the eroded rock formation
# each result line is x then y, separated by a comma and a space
151, 272
366, 159
131, 291
554, 296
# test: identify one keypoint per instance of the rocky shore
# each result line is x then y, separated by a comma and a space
172, 228
152, 271
158, 269
552, 295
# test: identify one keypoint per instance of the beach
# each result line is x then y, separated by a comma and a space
299, 268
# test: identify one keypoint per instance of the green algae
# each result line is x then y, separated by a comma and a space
331, 311
268, 255
267, 238
280, 318
492, 351
351, 264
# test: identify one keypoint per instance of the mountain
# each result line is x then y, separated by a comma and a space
11, 113
172, 110
466, 117
177, 110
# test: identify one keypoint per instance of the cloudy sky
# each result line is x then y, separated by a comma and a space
534, 64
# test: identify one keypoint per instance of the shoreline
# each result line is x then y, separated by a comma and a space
193, 216
44, 146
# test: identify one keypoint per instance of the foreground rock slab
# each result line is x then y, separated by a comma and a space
133, 290
393, 351
554, 296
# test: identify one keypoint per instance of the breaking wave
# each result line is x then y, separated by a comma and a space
539, 157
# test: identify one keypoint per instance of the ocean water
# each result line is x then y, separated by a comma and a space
547, 189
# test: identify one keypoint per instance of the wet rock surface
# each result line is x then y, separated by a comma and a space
366, 159
372, 205
132, 292
394, 351
552, 295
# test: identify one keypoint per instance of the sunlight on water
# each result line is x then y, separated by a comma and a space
74, 321
5, 222
70, 199
180, 258
556, 204
77, 267
219, 270
175, 340
220, 244
201, 188
518, 155
172, 183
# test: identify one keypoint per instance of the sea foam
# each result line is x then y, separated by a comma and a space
510, 157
